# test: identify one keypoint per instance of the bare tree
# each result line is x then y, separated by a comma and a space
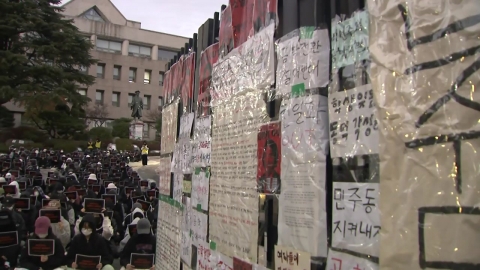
153, 118
98, 114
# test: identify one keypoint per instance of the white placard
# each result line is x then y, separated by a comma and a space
186, 122
342, 261
287, 258
199, 227
303, 56
233, 208
353, 124
186, 242
169, 235
182, 157
165, 176
178, 187
201, 147
302, 222
169, 128
356, 218
200, 189
204, 256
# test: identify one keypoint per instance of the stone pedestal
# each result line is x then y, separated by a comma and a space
136, 130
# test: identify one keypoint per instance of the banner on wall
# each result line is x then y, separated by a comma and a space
169, 128
302, 220
429, 132
269, 159
169, 235
164, 168
186, 243
188, 80
233, 208
182, 157
202, 144
207, 59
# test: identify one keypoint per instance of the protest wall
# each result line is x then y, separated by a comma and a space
318, 134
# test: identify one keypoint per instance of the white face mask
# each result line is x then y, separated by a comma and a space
87, 232
43, 235
36, 193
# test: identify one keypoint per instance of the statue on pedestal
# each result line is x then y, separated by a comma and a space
137, 106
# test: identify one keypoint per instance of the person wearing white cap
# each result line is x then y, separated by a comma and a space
111, 185
92, 176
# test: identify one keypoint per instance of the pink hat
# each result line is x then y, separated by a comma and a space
41, 225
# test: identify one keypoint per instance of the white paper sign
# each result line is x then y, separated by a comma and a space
199, 226
169, 236
178, 187
356, 218
343, 261
303, 57
169, 128
353, 124
302, 222
201, 147
165, 176
186, 243
200, 189
186, 122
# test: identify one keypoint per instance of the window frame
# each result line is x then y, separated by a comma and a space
102, 95
119, 76
134, 75
101, 65
116, 103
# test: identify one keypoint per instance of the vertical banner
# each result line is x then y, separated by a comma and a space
186, 243
225, 35
265, 12
188, 80
169, 128
269, 159
302, 220
233, 185
164, 184
354, 147
425, 75
207, 59
242, 20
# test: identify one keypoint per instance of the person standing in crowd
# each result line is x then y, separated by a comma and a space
144, 153
43, 231
142, 242
98, 144
89, 243
90, 145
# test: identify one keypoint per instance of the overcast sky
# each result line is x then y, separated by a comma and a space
178, 17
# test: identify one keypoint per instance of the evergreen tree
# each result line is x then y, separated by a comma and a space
6, 118
41, 53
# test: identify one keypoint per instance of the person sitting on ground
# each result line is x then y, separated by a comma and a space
43, 231
142, 242
11, 220
137, 214
89, 243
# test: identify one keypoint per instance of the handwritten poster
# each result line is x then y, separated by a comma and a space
269, 158
233, 209
182, 157
350, 40
302, 221
165, 176
291, 259
199, 227
303, 57
204, 256
178, 187
343, 261
353, 124
430, 139
356, 218
200, 189
169, 128
186, 243
169, 234
202, 147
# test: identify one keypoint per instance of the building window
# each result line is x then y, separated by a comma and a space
101, 71
99, 97
160, 78
146, 130
132, 75
109, 46
160, 103
130, 99
93, 15
82, 92
166, 55
146, 102
142, 51
146, 76
116, 99
117, 70
83, 70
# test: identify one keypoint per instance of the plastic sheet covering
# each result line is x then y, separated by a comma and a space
234, 200
303, 58
188, 81
265, 12
207, 59
225, 35
269, 158
251, 66
169, 230
169, 128
186, 243
164, 168
242, 20
354, 148
202, 144
302, 221
424, 74
167, 82
182, 157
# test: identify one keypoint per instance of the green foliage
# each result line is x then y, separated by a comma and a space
121, 128
6, 118
103, 133
124, 144
40, 54
58, 123
24, 133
